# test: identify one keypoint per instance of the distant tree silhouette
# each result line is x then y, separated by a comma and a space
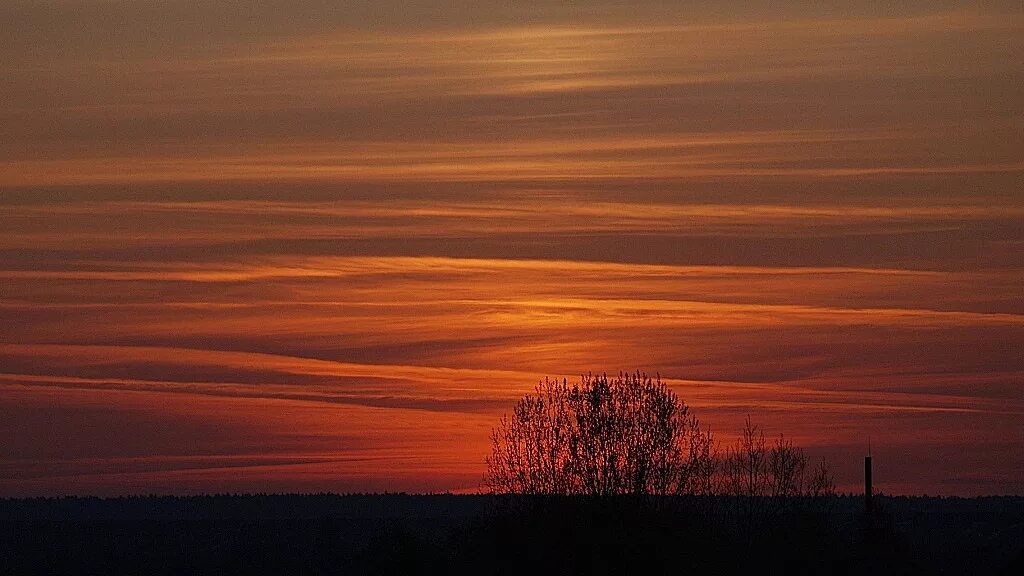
631, 434
768, 480
753, 468
621, 435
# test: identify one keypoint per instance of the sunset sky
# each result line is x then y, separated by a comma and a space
301, 246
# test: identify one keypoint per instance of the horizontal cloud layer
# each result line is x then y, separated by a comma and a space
283, 247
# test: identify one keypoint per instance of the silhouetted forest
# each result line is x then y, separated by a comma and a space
486, 534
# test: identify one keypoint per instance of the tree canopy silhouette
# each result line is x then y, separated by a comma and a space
628, 434
632, 435
753, 468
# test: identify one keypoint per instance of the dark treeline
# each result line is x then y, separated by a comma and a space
487, 534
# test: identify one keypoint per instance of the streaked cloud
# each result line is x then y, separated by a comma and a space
286, 247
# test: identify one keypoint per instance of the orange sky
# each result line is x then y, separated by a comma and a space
287, 249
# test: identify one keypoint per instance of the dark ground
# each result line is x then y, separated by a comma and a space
443, 534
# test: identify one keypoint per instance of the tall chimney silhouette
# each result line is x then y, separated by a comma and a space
867, 480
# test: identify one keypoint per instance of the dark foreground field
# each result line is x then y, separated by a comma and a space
401, 534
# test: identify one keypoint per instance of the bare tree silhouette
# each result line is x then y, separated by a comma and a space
631, 434
753, 468
628, 434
